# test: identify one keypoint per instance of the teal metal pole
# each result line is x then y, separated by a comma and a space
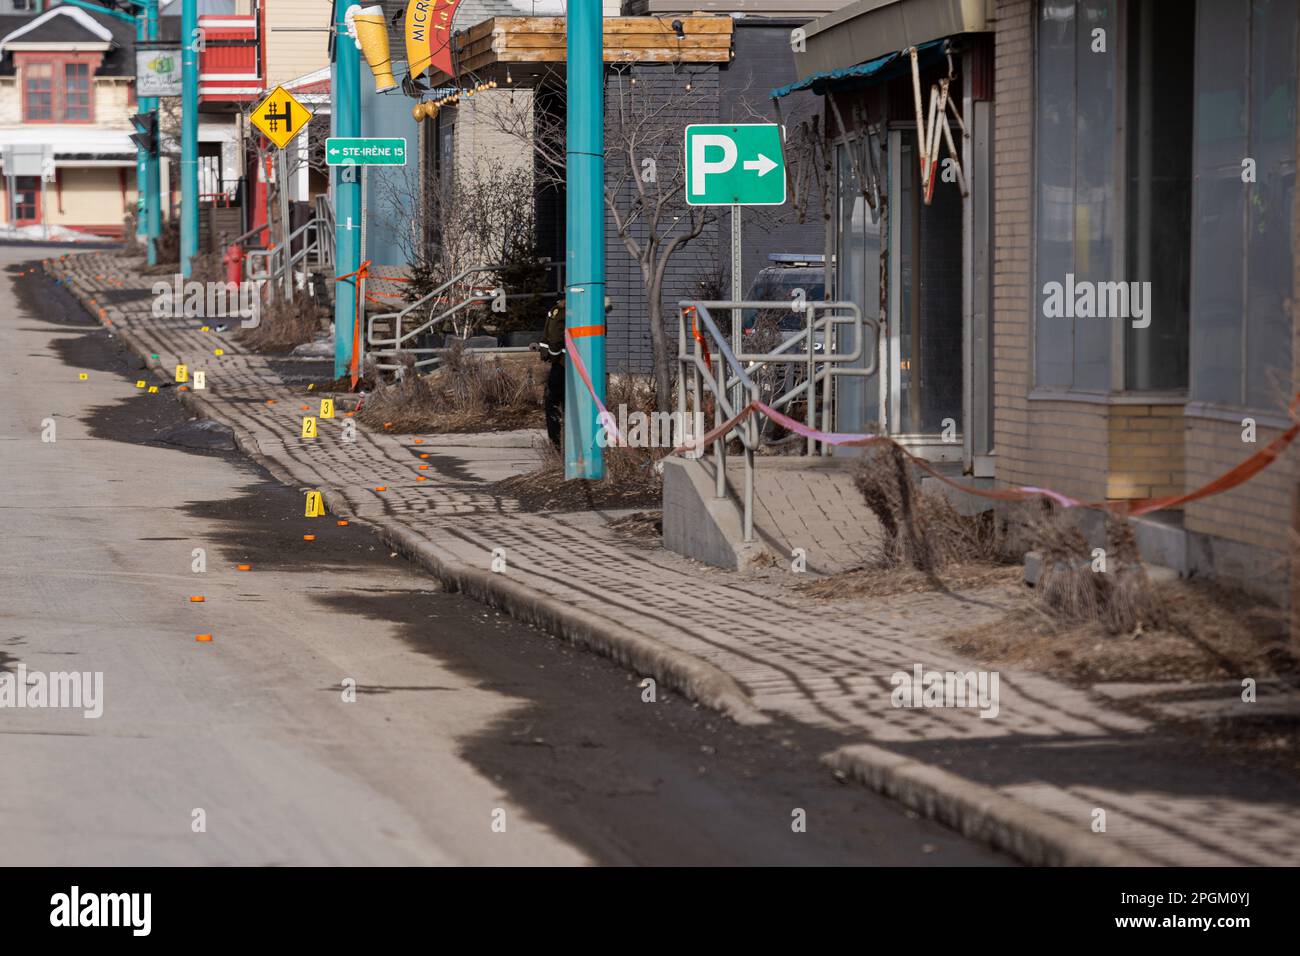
585, 237
142, 157
189, 135
152, 178
346, 119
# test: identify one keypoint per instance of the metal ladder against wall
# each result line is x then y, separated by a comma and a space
730, 375
447, 304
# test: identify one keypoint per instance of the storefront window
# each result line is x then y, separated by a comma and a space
1244, 164
1076, 202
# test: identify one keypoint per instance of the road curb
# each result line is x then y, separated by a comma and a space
976, 811
979, 812
684, 672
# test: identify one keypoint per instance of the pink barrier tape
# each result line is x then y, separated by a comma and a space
1237, 475
606, 418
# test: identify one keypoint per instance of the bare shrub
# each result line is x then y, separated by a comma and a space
467, 392
632, 478
921, 531
1121, 598
283, 325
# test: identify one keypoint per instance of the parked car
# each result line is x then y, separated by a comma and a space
787, 278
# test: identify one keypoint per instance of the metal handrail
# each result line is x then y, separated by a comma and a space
724, 407
272, 266
731, 380
391, 346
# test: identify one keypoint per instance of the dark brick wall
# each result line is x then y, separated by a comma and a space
737, 92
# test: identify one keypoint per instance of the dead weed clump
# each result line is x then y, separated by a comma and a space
466, 393
283, 325
632, 476
921, 531
1077, 584
1210, 632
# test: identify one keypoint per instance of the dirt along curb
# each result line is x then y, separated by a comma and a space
679, 670
976, 811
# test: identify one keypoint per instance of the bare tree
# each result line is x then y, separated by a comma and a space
645, 185
480, 216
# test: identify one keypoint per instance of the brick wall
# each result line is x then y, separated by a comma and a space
1259, 512
1146, 451
735, 93
1012, 329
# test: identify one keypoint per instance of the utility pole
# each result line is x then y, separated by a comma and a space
346, 120
190, 42
142, 154
152, 189
585, 237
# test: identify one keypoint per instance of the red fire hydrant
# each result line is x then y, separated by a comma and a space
234, 260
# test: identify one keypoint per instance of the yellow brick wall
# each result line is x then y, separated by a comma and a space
1146, 451
1259, 512
1067, 448
1012, 333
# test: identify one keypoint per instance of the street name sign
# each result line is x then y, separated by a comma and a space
279, 117
365, 151
739, 164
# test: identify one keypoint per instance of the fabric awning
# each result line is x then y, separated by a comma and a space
879, 70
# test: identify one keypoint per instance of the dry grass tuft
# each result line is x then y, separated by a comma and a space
466, 393
1210, 632
283, 326
631, 480
920, 531
1121, 599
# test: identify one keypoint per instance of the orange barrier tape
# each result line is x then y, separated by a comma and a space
584, 331
358, 277
1233, 477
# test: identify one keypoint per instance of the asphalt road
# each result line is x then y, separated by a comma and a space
473, 739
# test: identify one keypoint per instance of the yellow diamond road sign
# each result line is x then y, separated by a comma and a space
280, 117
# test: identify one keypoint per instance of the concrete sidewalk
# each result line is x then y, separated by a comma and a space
749, 645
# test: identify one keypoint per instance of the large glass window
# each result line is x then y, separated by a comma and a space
1159, 190
1246, 63
1076, 203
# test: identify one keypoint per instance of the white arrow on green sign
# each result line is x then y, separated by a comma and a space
740, 164
365, 151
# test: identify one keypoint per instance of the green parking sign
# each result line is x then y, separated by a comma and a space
740, 164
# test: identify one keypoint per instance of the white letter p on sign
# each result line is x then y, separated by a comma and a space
701, 167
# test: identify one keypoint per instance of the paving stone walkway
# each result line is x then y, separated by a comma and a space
828, 664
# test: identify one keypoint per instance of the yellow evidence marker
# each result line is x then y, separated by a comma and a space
309, 427
153, 389
140, 384
83, 376
182, 373
315, 505
200, 380
218, 351
327, 408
